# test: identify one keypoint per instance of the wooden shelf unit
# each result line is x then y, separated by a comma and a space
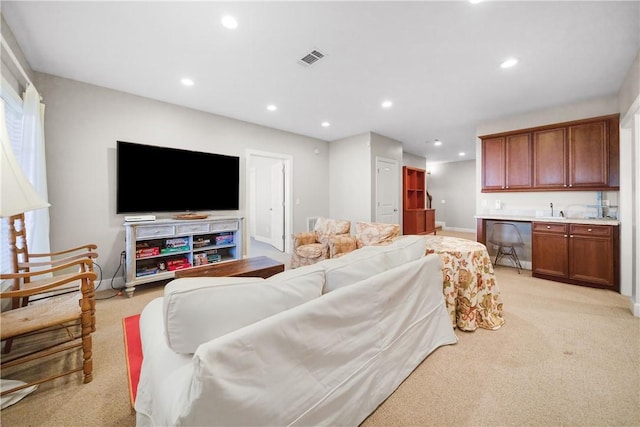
416, 218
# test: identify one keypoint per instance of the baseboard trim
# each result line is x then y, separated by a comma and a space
261, 239
462, 230
635, 307
526, 265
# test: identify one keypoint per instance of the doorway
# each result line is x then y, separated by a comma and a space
269, 199
387, 191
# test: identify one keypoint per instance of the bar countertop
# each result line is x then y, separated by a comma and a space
524, 218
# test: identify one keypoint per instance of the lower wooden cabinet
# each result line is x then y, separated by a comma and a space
419, 221
550, 250
592, 254
430, 219
580, 254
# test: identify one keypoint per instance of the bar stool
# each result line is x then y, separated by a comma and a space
507, 238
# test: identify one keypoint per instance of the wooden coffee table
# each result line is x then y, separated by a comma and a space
260, 266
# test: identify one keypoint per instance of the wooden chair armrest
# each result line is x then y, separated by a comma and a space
85, 264
304, 238
88, 248
57, 261
48, 285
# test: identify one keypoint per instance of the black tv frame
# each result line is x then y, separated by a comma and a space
152, 179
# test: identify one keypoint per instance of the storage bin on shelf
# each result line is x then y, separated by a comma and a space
224, 239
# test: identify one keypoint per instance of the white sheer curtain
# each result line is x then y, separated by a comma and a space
34, 166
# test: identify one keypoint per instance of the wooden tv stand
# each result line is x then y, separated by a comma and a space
157, 250
261, 266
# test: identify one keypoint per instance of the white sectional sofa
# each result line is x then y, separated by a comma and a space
319, 345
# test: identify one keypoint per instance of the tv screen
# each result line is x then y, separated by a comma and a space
161, 179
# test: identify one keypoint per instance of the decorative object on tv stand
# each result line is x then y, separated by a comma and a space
191, 216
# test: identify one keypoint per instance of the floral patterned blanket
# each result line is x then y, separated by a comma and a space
470, 289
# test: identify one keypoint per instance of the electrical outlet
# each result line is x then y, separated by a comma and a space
498, 204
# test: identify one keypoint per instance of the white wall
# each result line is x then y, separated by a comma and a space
453, 183
415, 161
353, 174
82, 124
630, 88
350, 178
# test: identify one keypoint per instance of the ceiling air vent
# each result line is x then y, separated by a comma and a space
311, 58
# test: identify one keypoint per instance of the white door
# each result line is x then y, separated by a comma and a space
252, 202
268, 198
277, 205
387, 191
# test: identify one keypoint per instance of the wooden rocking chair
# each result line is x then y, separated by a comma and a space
49, 292
37, 263
24, 261
67, 311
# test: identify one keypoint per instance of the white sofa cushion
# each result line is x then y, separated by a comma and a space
198, 309
404, 249
370, 260
351, 268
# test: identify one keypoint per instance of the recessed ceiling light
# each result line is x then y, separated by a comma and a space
462, 153
475, 1
326, 124
437, 142
387, 104
187, 82
229, 22
508, 63
272, 107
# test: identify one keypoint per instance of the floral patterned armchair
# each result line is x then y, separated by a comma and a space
366, 234
313, 246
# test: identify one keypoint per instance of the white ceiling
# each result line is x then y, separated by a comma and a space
438, 62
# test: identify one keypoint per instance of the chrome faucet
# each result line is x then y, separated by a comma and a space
551, 204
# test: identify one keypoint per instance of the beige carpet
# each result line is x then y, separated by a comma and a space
567, 355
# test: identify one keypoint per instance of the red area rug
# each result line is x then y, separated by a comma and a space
133, 353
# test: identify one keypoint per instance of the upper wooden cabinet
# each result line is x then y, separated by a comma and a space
589, 155
506, 162
579, 155
550, 164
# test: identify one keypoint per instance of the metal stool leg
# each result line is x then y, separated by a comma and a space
514, 257
499, 255
511, 253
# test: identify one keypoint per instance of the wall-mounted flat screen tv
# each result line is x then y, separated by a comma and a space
161, 179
